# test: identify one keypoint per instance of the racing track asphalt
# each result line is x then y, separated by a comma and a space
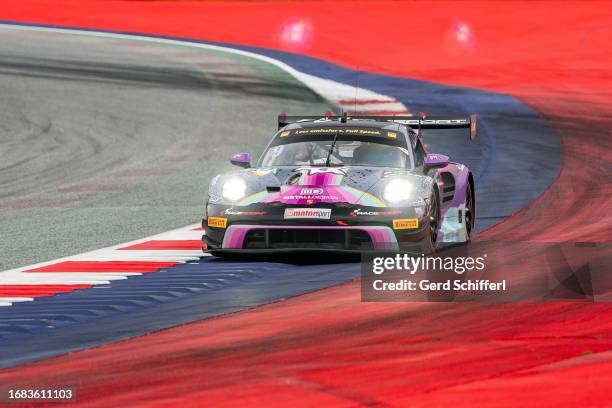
97, 67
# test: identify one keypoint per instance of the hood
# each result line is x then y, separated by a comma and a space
311, 185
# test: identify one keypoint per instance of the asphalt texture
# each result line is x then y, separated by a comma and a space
103, 141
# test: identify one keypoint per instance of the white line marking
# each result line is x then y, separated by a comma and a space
15, 299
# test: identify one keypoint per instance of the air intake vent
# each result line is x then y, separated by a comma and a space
448, 190
290, 238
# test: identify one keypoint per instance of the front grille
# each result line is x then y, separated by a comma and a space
288, 238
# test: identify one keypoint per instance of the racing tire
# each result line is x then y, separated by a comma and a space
434, 225
470, 213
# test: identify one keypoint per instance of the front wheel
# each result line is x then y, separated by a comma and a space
434, 224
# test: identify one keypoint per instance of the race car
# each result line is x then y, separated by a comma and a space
343, 183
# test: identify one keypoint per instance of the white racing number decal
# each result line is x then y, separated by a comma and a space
313, 213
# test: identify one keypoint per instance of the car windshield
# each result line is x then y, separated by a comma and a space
345, 153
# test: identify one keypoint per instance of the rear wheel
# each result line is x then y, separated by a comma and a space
470, 212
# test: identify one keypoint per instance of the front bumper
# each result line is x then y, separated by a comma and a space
382, 237
345, 223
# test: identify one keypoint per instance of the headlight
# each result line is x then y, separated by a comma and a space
398, 190
234, 189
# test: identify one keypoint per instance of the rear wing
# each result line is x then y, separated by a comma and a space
422, 122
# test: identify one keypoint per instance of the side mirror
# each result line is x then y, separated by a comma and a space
241, 160
436, 160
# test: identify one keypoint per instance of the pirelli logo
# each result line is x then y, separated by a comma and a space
217, 222
406, 223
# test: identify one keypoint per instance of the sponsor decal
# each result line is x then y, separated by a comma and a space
358, 211
349, 131
312, 213
392, 135
217, 222
311, 198
311, 194
231, 211
285, 133
322, 170
432, 121
311, 191
406, 223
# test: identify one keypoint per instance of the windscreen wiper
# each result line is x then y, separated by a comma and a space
331, 148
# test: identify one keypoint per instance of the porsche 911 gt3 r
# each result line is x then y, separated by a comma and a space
343, 183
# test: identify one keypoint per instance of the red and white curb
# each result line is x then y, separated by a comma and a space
170, 248
353, 100
101, 266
